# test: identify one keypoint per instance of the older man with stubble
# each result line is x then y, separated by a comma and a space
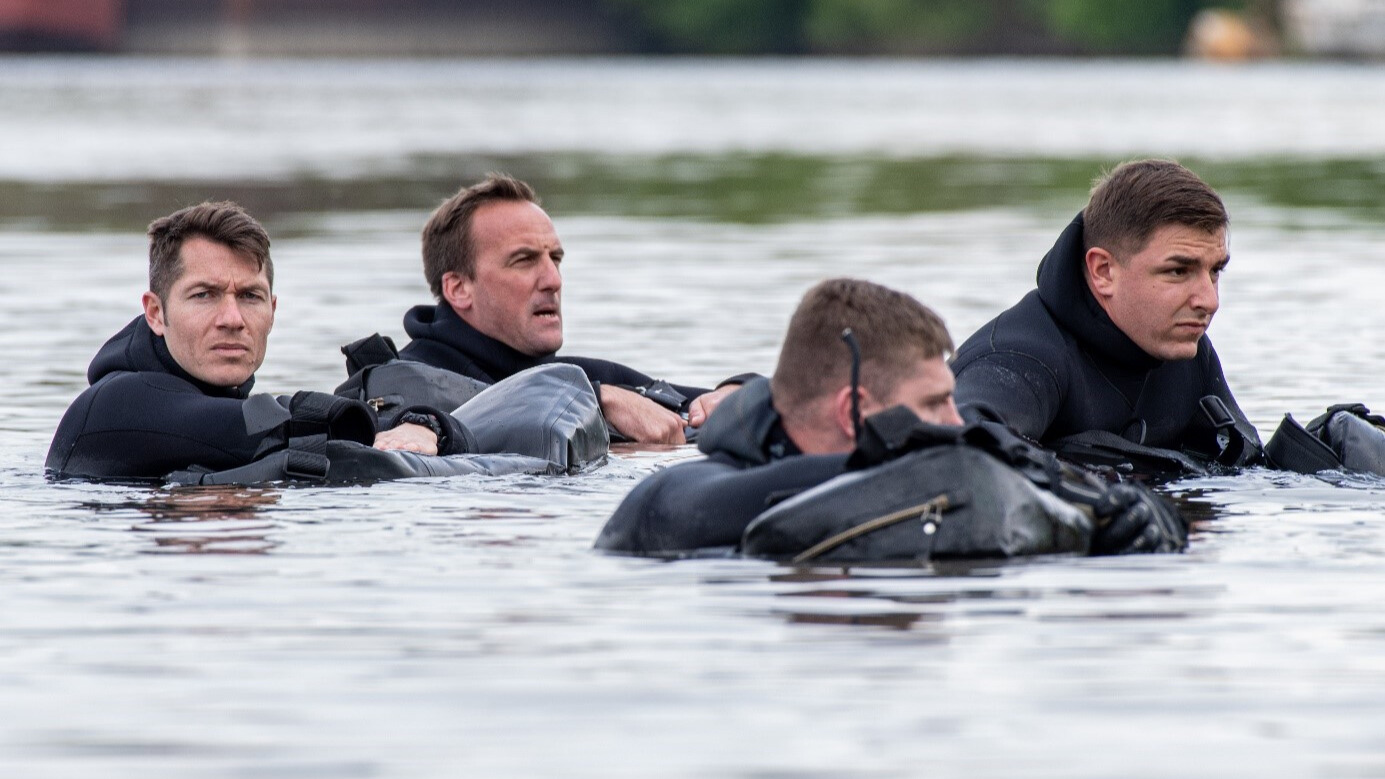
493, 261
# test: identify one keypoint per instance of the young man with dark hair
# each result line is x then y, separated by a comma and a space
492, 259
1109, 358
172, 389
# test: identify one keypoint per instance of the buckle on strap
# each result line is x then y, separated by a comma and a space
1214, 408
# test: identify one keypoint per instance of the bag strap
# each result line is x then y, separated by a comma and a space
371, 350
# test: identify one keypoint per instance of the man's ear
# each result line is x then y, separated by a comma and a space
1101, 266
153, 312
459, 291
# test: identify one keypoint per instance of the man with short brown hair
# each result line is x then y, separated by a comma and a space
171, 390
791, 432
1108, 359
492, 259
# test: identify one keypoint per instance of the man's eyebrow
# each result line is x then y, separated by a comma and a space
1185, 260
938, 396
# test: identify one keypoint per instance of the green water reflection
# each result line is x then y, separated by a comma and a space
747, 188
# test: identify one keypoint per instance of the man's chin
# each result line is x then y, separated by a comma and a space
1175, 352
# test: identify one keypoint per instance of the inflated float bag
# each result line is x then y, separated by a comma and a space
949, 501
1347, 437
548, 411
393, 386
349, 462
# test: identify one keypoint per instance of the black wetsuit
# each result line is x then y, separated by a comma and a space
1055, 365
443, 339
144, 417
751, 462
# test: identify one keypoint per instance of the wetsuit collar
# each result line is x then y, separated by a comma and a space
1063, 289
439, 323
136, 348
747, 427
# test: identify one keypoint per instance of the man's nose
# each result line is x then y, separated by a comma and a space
228, 314
950, 415
1205, 295
552, 277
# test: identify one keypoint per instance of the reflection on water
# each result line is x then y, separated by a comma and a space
463, 626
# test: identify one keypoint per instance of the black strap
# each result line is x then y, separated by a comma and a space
374, 349
1233, 445
664, 394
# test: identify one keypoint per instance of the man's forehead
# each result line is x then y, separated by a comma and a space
1181, 239
512, 221
208, 262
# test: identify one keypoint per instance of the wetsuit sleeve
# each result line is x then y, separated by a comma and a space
453, 436
606, 372
1015, 390
707, 503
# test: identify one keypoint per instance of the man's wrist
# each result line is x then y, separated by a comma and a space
428, 421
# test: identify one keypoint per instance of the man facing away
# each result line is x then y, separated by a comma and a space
493, 262
783, 435
171, 390
1111, 348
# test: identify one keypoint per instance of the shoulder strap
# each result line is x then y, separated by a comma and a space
371, 350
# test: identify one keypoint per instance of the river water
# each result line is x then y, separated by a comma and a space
463, 627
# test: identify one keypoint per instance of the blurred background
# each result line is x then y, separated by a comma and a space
1217, 28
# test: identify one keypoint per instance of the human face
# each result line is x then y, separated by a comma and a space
218, 315
1164, 296
926, 391
516, 297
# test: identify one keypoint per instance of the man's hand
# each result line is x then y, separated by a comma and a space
409, 437
703, 405
1140, 521
639, 418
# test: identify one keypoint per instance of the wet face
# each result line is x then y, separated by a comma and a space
1163, 296
927, 391
516, 297
218, 314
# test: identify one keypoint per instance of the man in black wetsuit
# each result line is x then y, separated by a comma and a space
172, 389
785, 434
1109, 357
492, 259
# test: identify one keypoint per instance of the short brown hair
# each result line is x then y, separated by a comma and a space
894, 331
447, 236
225, 223
1136, 198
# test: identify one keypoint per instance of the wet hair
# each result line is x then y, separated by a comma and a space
225, 223
447, 246
894, 332
1136, 198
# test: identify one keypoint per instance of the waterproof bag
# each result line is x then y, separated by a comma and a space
1347, 437
950, 501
